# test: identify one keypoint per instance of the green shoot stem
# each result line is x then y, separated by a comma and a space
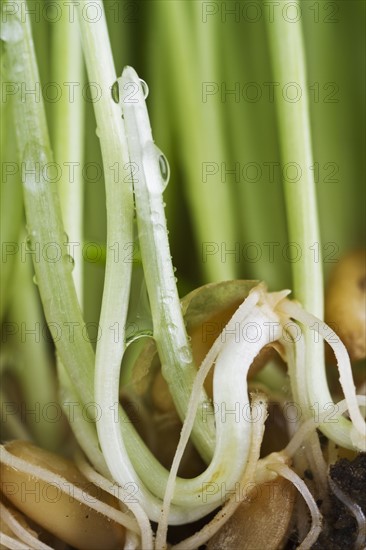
85, 432
169, 329
11, 204
68, 135
68, 139
288, 62
53, 268
110, 349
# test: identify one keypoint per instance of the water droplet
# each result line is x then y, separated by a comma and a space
97, 132
145, 88
69, 261
65, 239
174, 269
35, 280
184, 354
164, 169
11, 31
28, 242
115, 92
156, 165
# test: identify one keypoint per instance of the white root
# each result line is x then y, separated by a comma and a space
23, 534
142, 525
310, 425
12, 544
358, 434
316, 517
67, 487
355, 510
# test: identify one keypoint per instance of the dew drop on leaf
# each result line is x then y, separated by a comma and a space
115, 92
28, 242
145, 88
164, 169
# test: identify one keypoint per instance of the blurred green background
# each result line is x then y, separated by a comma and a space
226, 174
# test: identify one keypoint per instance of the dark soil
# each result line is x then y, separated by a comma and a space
340, 527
